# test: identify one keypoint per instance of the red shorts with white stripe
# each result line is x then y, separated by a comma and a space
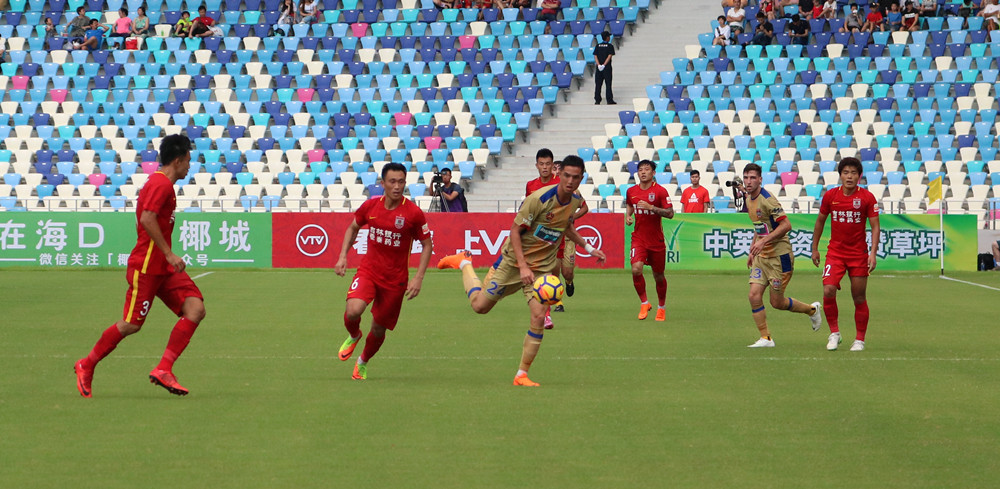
836, 267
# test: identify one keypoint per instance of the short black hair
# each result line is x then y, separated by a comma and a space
606, 36
446, 170
850, 162
722, 18
573, 161
754, 167
392, 167
796, 18
695, 172
173, 147
202, 8
544, 153
646, 162
80, 10
93, 21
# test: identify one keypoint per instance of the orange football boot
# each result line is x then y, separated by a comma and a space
644, 310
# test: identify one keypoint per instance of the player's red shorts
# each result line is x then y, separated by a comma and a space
172, 289
656, 259
835, 267
386, 300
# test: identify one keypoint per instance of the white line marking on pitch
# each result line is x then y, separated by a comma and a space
832, 356
202, 275
970, 283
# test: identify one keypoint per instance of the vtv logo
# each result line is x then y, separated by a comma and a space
591, 236
311, 240
492, 247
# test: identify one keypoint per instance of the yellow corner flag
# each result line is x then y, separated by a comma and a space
934, 190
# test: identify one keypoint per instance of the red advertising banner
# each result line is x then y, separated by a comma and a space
313, 240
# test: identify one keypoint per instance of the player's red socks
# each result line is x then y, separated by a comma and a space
105, 345
830, 310
661, 291
353, 326
861, 319
640, 286
179, 339
372, 344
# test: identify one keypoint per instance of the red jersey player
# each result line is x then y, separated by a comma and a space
548, 175
394, 222
648, 202
154, 271
848, 252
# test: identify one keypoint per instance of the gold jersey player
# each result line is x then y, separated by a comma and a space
154, 271
770, 258
544, 219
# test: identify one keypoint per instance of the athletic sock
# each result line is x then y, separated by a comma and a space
760, 318
372, 344
640, 286
353, 326
796, 305
471, 281
105, 345
179, 339
532, 341
830, 309
661, 291
861, 319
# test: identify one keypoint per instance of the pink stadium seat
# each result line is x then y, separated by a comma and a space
789, 178
58, 95
97, 179
19, 82
402, 118
466, 42
359, 29
315, 155
150, 167
305, 94
432, 143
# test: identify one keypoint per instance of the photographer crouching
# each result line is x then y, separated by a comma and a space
452, 195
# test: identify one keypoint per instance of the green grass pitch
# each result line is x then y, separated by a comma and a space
623, 403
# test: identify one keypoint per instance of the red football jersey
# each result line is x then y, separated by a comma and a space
694, 200
390, 238
157, 195
648, 228
848, 214
536, 184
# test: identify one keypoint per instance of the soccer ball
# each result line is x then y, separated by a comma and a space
547, 289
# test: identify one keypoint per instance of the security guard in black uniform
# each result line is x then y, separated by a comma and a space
602, 58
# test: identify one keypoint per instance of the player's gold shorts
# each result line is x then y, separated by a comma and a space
504, 278
775, 272
569, 254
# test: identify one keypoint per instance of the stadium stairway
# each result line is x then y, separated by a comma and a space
668, 27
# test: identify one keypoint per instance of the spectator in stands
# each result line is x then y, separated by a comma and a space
911, 18
735, 17
767, 8
202, 25
764, 34
77, 27
727, 4
991, 14
806, 9
928, 8
854, 21
94, 36
722, 34
549, 10
122, 26
309, 11
3, 52
140, 28
443, 4
966, 8
829, 10
798, 30
183, 26
288, 12
451, 193
50, 29
695, 197
894, 17
874, 20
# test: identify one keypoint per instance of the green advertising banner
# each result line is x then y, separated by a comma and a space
93, 239
907, 241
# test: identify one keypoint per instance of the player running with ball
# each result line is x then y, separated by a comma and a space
648, 202
394, 222
544, 218
770, 259
848, 252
